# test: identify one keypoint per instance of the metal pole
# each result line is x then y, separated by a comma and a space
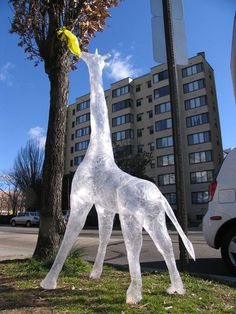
177, 134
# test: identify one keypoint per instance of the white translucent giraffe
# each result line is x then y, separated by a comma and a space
139, 203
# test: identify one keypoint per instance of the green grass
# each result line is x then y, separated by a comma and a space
76, 293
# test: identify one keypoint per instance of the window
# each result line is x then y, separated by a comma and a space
81, 145
121, 105
121, 91
200, 197
83, 131
122, 119
164, 142
151, 146
152, 164
163, 125
139, 132
123, 135
165, 107
138, 102
139, 117
198, 138
195, 102
83, 118
71, 163
149, 98
165, 160
150, 128
161, 92
73, 112
123, 150
157, 77
72, 136
150, 113
201, 176
171, 198
192, 86
199, 157
138, 88
149, 84
72, 150
140, 148
197, 119
78, 160
166, 179
83, 105
73, 124
193, 69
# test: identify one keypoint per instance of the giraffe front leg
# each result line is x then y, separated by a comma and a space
75, 224
105, 221
132, 232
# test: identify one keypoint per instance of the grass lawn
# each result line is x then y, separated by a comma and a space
76, 293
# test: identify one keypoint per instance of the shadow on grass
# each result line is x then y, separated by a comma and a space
16, 299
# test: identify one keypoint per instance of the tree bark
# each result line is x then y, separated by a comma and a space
52, 225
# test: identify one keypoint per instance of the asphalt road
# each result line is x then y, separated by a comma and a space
19, 242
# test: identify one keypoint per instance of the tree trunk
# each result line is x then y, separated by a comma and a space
52, 225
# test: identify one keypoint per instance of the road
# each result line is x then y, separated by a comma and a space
19, 242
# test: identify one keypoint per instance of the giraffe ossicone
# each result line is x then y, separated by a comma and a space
98, 181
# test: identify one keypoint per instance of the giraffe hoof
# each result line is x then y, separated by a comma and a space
48, 285
133, 299
178, 290
95, 274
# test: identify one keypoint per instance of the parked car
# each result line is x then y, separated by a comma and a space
27, 219
219, 223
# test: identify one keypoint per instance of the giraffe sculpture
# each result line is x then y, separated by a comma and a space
99, 181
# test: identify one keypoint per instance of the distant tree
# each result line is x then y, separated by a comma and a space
134, 164
27, 173
36, 22
12, 192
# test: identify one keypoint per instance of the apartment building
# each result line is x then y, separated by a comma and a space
140, 120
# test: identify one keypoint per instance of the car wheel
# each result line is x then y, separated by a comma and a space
13, 223
28, 223
228, 249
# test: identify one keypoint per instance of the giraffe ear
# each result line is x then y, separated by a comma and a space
106, 56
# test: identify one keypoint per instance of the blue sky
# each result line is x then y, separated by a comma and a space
24, 89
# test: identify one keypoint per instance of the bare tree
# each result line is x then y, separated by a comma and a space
27, 173
135, 164
12, 192
36, 22
132, 163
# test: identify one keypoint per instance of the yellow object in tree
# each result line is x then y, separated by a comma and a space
72, 42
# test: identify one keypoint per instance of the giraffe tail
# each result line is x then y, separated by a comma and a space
175, 222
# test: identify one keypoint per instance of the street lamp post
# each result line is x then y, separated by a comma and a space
176, 129
169, 45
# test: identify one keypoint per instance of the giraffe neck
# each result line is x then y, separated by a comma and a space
100, 129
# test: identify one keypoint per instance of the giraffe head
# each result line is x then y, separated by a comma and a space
95, 60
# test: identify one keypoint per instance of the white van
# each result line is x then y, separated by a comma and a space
219, 223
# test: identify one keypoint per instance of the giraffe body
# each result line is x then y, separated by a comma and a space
139, 203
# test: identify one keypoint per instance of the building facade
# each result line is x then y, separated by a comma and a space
140, 120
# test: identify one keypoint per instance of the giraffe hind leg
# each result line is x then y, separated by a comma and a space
156, 227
